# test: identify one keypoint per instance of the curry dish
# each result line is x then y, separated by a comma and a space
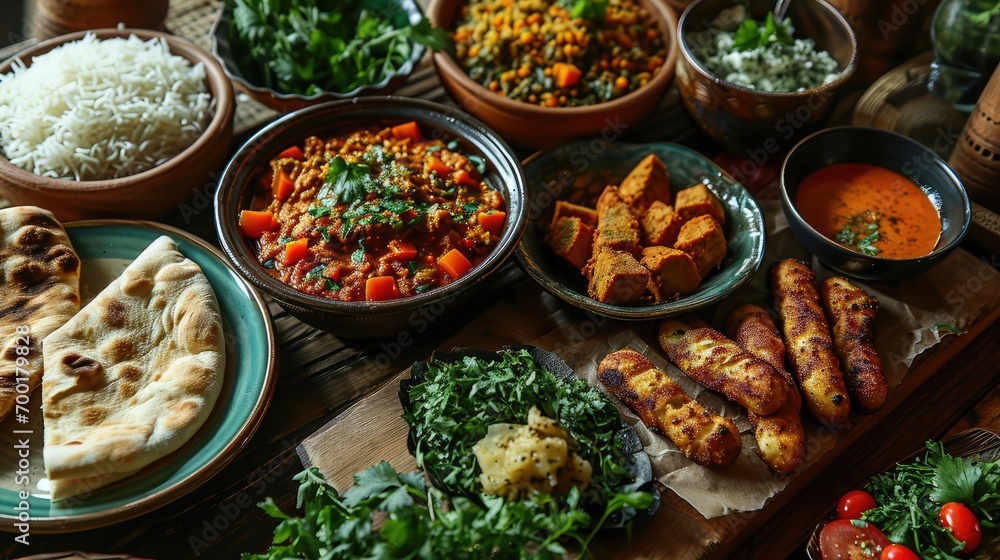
374, 215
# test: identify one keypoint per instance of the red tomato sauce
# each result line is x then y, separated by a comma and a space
870, 209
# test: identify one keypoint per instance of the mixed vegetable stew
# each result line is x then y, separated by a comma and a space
377, 214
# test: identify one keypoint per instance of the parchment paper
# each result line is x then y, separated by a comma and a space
914, 315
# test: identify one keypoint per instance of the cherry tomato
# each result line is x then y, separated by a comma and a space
854, 503
852, 539
963, 525
898, 552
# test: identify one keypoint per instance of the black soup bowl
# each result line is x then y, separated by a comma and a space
854, 144
367, 319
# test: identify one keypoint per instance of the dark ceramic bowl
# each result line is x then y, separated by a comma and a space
578, 173
401, 11
637, 465
534, 126
753, 122
855, 144
367, 319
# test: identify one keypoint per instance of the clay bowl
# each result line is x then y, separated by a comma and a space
537, 127
151, 193
758, 123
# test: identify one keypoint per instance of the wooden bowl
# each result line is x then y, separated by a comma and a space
537, 127
59, 17
151, 193
756, 123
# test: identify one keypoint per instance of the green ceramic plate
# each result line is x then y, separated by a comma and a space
579, 171
105, 247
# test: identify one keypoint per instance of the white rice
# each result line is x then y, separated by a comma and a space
92, 109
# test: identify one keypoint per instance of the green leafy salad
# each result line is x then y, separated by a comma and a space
451, 405
454, 404
310, 46
910, 497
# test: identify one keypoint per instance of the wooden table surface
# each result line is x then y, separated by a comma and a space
321, 375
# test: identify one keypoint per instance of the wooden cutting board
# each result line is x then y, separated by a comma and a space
373, 430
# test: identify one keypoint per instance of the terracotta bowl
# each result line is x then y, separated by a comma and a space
538, 127
368, 319
222, 49
151, 193
755, 123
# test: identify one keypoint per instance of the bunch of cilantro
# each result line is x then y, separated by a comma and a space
309, 46
910, 497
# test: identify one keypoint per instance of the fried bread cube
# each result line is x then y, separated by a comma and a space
617, 229
563, 209
647, 183
616, 277
572, 240
660, 224
698, 200
703, 240
675, 271
609, 197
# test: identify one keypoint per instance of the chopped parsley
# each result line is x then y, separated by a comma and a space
325, 233
479, 162
284, 240
320, 211
412, 267
330, 284
752, 35
861, 232
423, 288
269, 263
316, 272
347, 182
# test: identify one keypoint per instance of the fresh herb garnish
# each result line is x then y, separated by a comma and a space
910, 498
269, 263
455, 404
422, 522
479, 162
751, 34
348, 182
320, 211
324, 233
592, 10
432, 149
412, 267
423, 288
316, 272
469, 208
330, 284
308, 46
861, 232
285, 239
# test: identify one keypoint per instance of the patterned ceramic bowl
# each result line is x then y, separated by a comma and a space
578, 173
752, 122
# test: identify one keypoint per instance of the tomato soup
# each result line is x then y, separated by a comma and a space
870, 209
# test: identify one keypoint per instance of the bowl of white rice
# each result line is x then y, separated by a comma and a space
758, 93
112, 123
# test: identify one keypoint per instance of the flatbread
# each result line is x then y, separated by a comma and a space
39, 292
134, 375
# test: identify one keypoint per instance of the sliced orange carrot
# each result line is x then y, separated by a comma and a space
464, 178
402, 250
566, 75
381, 288
296, 251
293, 152
455, 264
492, 221
407, 130
254, 223
283, 187
274, 222
434, 164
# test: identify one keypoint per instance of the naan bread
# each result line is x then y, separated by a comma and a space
134, 375
39, 291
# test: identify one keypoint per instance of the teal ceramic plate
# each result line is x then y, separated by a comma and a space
105, 248
579, 171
